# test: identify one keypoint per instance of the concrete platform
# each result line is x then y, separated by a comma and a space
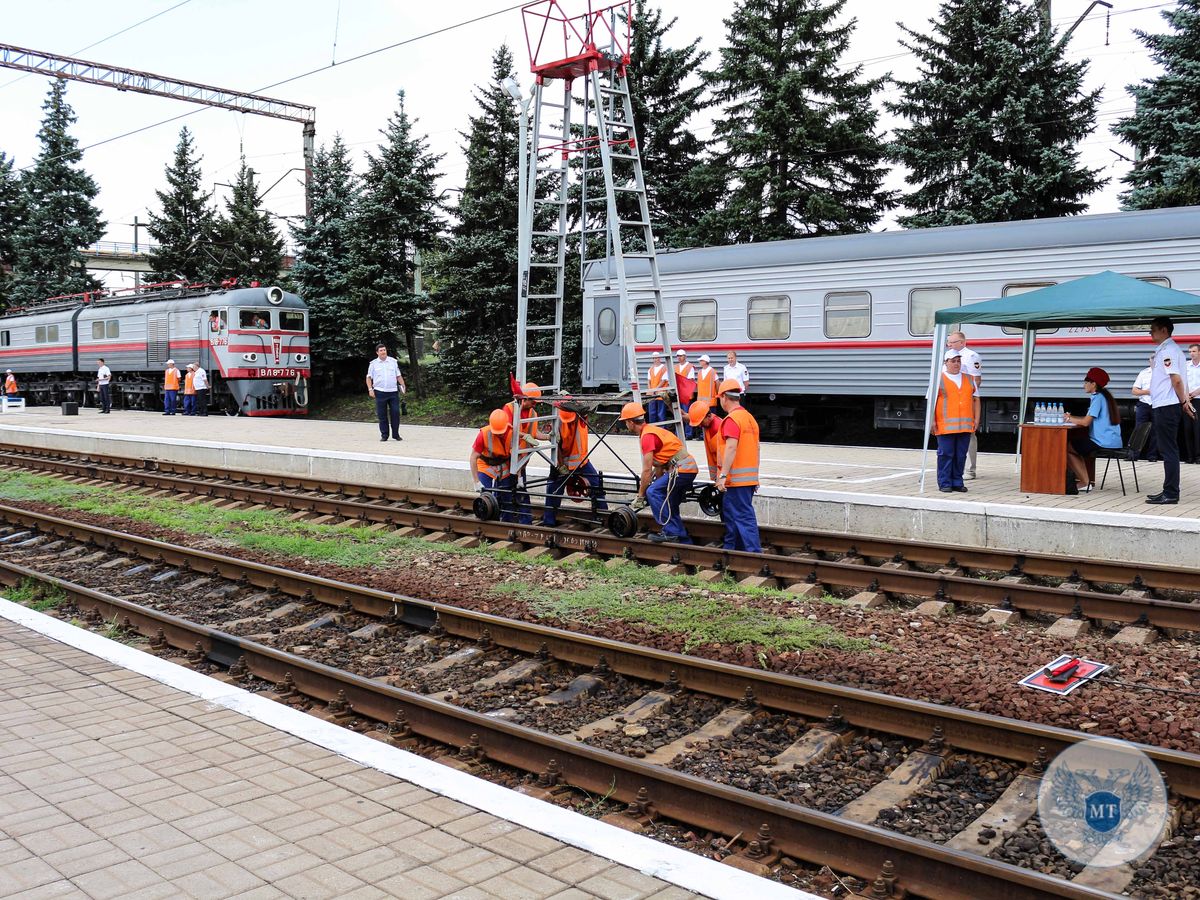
125, 776
868, 491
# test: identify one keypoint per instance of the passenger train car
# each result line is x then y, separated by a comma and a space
841, 326
253, 343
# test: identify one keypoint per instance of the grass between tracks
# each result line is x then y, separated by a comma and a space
702, 612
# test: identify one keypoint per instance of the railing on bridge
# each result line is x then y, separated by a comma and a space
118, 248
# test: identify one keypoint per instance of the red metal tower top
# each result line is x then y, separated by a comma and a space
565, 45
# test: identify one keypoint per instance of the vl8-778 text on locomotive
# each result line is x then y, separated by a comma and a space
252, 341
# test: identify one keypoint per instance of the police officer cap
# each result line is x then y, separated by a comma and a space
952, 354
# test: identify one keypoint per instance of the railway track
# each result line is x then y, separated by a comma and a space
653, 730
808, 563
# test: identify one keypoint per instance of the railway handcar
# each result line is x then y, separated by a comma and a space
839, 327
253, 342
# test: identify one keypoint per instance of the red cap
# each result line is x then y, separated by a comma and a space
1097, 376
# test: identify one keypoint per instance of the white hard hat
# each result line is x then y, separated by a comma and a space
8, 371
704, 357
170, 362
681, 352
952, 354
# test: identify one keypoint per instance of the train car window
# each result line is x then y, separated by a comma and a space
606, 326
5, 338
924, 302
39, 334
848, 314
45, 334
98, 331
697, 320
644, 333
52, 333
291, 320
770, 318
255, 318
1012, 290
1143, 327
112, 328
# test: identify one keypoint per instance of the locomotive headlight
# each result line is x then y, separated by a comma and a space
250, 357
300, 357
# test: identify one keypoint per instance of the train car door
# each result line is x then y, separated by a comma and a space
603, 357
158, 340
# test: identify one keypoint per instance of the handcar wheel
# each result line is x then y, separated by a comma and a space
710, 500
231, 408
486, 507
622, 522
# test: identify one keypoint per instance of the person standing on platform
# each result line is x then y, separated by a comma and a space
1144, 412
701, 416
1192, 427
972, 367
955, 417
738, 372
104, 387
170, 388
656, 380
384, 386
572, 461
684, 370
200, 382
11, 391
668, 471
1168, 392
738, 478
706, 383
189, 390
490, 458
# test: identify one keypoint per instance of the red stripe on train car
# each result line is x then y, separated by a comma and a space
1044, 340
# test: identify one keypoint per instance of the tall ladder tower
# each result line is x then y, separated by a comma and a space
588, 173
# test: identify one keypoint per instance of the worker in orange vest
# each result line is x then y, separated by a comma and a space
706, 382
738, 479
189, 390
955, 417
572, 462
685, 384
523, 410
708, 424
170, 388
668, 471
657, 380
11, 391
490, 457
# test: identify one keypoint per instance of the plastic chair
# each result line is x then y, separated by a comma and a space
1128, 453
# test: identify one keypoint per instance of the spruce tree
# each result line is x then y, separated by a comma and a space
248, 246
323, 258
1163, 129
12, 214
995, 117
397, 215
60, 216
799, 131
476, 275
186, 228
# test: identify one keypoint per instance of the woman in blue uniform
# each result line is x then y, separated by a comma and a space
1103, 421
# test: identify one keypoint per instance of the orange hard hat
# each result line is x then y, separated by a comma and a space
729, 386
632, 411
531, 390
697, 411
498, 422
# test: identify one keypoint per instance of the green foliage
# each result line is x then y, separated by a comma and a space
60, 216
995, 118
1163, 128
799, 131
37, 595
186, 228
249, 247
12, 215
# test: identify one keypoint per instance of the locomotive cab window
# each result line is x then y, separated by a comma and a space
291, 320
697, 320
644, 332
1143, 327
104, 329
770, 318
45, 334
606, 326
255, 318
217, 321
1012, 290
924, 302
847, 314
5, 338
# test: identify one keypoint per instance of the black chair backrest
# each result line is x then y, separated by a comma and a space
1137, 440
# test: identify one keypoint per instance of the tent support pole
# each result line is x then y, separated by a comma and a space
1028, 341
935, 370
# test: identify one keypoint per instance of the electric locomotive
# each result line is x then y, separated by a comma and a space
252, 341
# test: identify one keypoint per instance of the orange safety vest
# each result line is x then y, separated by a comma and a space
573, 441
706, 385
672, 451
171, 380
527, 428
714, 447
657, 376
10, 384
497, 451
744, 470
954, 411
687, 370
188, 386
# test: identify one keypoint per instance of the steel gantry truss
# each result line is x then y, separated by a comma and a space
39, 62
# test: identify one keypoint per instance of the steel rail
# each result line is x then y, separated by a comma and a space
965, 729
1071, 598
924, 869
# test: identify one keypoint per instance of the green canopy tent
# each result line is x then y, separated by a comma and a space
1102, 299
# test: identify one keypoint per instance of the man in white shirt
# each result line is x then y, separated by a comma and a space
1192, 428
384, 385
1144, 412
103, 382
1167, 395
738, 372
200, 383
972, 366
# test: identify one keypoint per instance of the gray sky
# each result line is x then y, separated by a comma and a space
249, 44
